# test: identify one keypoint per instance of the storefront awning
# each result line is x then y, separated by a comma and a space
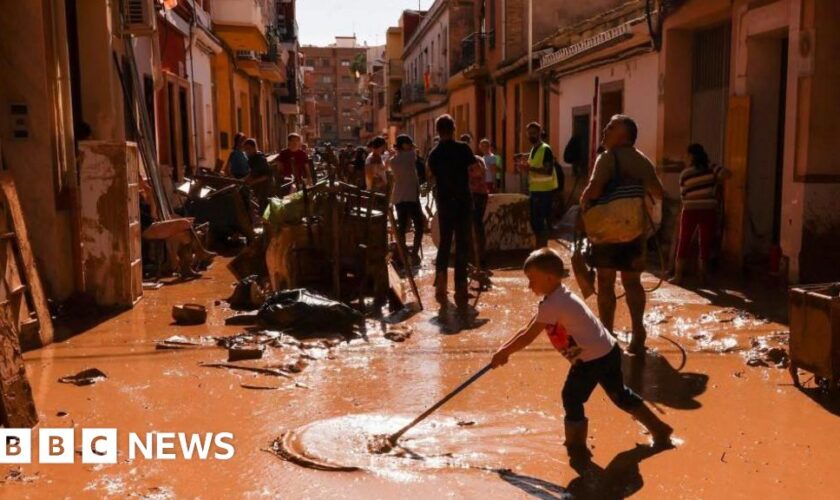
242, 37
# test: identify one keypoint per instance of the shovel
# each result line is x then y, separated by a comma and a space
384, 443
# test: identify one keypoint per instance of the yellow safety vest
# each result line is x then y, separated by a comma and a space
541, 182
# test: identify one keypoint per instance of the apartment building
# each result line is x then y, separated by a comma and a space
336, 71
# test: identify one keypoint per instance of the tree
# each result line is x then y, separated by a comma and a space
358, 66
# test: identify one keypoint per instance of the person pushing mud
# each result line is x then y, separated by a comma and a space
621, 164
582, 339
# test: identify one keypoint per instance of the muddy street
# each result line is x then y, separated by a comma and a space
741, 431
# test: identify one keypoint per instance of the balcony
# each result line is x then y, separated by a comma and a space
249, 62
412, 93
240, 24
395, 69
469, 48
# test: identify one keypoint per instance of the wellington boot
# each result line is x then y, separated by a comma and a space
576, 435
660, 432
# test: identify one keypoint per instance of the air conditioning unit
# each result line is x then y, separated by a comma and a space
139, 17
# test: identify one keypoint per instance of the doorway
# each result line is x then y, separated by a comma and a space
766, 78
612, 103
581, 134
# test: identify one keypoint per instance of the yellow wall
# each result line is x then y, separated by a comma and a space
462, 107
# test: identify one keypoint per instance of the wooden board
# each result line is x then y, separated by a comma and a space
33, 279
17, 407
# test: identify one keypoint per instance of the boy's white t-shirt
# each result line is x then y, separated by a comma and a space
572, 327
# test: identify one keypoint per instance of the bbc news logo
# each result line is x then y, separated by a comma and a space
99, 446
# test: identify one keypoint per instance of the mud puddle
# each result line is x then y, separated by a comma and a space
445, 442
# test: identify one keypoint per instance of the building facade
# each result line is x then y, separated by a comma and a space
336, 70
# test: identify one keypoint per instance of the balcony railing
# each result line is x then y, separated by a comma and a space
469, 46
412, 93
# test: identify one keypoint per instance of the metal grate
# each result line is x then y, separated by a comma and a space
711, 58
135, 11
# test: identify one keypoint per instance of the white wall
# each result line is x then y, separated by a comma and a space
199, 71
639, 75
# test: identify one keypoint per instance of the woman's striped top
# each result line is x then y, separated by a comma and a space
699, 188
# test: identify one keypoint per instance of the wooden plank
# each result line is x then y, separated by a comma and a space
17, 407
735, 188
33, 279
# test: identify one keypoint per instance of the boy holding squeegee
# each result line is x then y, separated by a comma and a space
580, 337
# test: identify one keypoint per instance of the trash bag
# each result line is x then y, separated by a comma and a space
286, 210
306, 311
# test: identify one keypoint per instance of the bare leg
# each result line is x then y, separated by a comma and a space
606, 297
636, 299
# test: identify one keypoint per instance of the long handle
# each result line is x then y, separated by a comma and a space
401, 252
393, 437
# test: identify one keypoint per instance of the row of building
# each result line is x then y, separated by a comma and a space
752, 80
94, 93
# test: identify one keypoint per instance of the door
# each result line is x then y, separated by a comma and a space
612, 103
766, 80
710, 89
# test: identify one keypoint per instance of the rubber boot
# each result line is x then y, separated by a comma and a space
576, 433
679, 272
462, 296
660, 432
440, 289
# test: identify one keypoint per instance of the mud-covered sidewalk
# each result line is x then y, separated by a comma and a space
743, 431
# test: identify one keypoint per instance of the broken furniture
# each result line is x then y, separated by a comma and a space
17, 407
815, 333
110, 222
21, 285
223, 202
332, 236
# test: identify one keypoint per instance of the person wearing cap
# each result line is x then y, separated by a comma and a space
406, 193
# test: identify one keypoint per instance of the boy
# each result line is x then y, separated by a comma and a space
583, 340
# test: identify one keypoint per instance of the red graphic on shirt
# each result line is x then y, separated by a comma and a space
561, 341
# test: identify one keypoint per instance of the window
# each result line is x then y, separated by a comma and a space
325, 63
309, 62
345, 63
326, 79
348, 128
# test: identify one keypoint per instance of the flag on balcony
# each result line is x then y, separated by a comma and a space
427, 80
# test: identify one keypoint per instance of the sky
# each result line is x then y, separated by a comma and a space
320, 21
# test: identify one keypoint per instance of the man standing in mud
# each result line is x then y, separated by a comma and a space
450, 162
542, 182
621, 163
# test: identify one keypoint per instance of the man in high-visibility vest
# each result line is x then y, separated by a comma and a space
542, 182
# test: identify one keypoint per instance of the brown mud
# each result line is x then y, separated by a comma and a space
746, 431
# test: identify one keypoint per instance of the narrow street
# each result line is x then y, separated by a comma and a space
738, 428
219, 264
